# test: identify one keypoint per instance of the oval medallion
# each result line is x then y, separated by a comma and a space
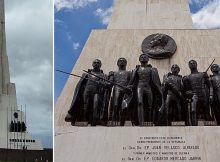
159, 46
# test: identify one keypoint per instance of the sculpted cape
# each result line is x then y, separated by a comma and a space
78, 103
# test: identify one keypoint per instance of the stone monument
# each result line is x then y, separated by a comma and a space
135, 26
13, 134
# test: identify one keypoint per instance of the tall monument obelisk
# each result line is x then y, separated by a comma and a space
7, 89
13, 134
4, 68
132, 21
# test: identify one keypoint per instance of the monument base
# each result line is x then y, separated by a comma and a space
128, 124
207, 123
178, 123
148, 124
141, 144
113, 124
81, 124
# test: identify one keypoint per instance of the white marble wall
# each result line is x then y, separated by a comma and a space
151, 14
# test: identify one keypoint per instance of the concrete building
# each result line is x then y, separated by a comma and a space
13, 134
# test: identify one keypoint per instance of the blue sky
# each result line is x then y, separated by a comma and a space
74, 20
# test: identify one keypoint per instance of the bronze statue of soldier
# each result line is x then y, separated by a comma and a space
173, 95
120, 77
197, 89
146, 84
215, 91
89, 102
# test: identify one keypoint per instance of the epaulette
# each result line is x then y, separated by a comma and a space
154, 69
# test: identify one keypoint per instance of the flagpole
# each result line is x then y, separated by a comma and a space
17, 129
14, 128
21, 129
7, 127
25, 127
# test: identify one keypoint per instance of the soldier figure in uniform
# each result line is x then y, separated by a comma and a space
215, 91
120, 77
145, 82
197, 86
173, 94
88, 103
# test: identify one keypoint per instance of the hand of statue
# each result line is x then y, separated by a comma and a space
181, 96
211, 99
189, 94
130, 86
108, 85
129, 89
205, 75
101, 83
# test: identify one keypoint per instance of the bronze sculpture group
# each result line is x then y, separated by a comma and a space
140, 97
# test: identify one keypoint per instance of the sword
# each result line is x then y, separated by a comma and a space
210, 66
69, 73
123, 87
75, 75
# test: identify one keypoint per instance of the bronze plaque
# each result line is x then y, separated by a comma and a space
159, 46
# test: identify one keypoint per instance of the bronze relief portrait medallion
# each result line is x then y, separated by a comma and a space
159, 46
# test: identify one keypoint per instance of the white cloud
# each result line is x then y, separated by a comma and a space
104, 15
76, 45
208, 16
69, 36
199, 2
29, 35
71, 4
58, 21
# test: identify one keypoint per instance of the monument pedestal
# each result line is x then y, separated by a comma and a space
178, 123
122, 144
81, 124
207, 123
